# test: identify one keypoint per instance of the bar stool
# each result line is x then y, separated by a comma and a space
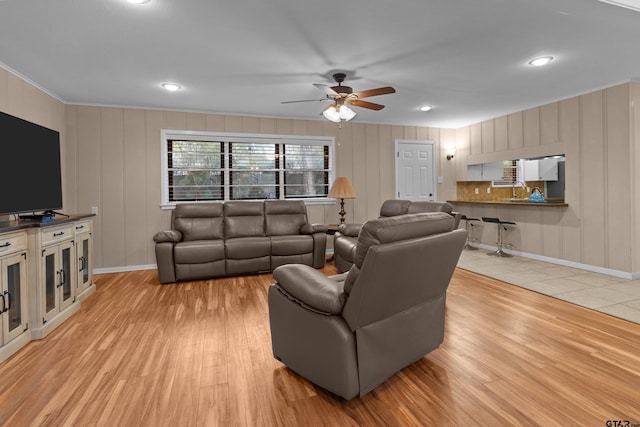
501, 224
469, 223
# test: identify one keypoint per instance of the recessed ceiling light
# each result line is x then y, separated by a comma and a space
426, 108
171, 86
629, 4
138, 1
539, 62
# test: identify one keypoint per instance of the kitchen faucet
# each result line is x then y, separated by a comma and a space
513, 188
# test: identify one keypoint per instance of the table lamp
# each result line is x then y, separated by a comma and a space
342, 189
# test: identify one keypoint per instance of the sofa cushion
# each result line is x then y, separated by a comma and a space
394, 207
198, 251
284, 217
291, 245
419, 207
243, 219
247, 247
402, 227
199, 221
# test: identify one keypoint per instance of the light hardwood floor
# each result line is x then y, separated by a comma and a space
199, 353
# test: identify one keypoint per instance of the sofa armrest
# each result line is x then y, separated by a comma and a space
311, 288
313, 228
170, 236
351, 230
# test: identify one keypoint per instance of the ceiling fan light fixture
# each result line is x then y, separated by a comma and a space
331, 114
346, 113
338, 113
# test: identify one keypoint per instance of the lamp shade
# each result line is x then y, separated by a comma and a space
342, 189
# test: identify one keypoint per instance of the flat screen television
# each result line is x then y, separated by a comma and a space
30, 173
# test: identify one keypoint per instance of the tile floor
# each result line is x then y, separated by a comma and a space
612, 295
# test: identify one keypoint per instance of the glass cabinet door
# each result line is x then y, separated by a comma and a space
84, 262
50, 282
14, 276
66, 275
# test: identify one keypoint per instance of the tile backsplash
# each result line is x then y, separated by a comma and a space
466, 190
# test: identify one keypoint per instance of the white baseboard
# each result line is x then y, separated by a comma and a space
586, 267
566, 263
124, 268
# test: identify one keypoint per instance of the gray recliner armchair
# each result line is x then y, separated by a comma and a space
349, 333
344, 241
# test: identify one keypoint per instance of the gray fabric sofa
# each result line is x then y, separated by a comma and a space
221, 239
344, 241
351, 332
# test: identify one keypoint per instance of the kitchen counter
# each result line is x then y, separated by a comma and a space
515, 202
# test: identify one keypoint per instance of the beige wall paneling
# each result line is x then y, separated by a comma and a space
70, 170
15, 96
617, 194
475, 138
634, 174
176, 120
501, 133
487, 137
4, 90
196, 121
373, 173
593, 178
215, 123
531, 127
156, 219
569, 113
552, 232
448, 170
515, 125
549, 124
234, 124
135, 188
463, 149
112, 183
386, 156
89, 171
359, 175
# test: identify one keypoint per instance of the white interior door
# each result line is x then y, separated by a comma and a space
415, 170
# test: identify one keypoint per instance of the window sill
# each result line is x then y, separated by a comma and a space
318, 201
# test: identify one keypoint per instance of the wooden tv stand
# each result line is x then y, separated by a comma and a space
45, 273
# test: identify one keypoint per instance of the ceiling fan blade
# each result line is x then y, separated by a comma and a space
304, 100
365, 104
375, 92
326, 89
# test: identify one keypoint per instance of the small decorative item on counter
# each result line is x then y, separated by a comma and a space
536, 196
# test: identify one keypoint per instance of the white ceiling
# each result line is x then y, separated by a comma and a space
467, 58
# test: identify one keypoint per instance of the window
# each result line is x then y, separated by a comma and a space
202, 166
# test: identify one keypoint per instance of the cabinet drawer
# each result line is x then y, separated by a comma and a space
12, 242
57, 234
82, 227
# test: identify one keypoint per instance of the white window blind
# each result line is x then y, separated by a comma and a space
209, 166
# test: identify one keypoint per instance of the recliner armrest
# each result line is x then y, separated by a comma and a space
311, 288
172, 236
351, 230
313, 228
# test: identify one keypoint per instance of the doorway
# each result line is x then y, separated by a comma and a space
415, 170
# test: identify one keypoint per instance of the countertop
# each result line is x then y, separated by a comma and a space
518, 202
13, 225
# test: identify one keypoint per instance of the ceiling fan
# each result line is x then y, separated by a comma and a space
343, 95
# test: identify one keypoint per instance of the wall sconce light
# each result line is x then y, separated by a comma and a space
450, 153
